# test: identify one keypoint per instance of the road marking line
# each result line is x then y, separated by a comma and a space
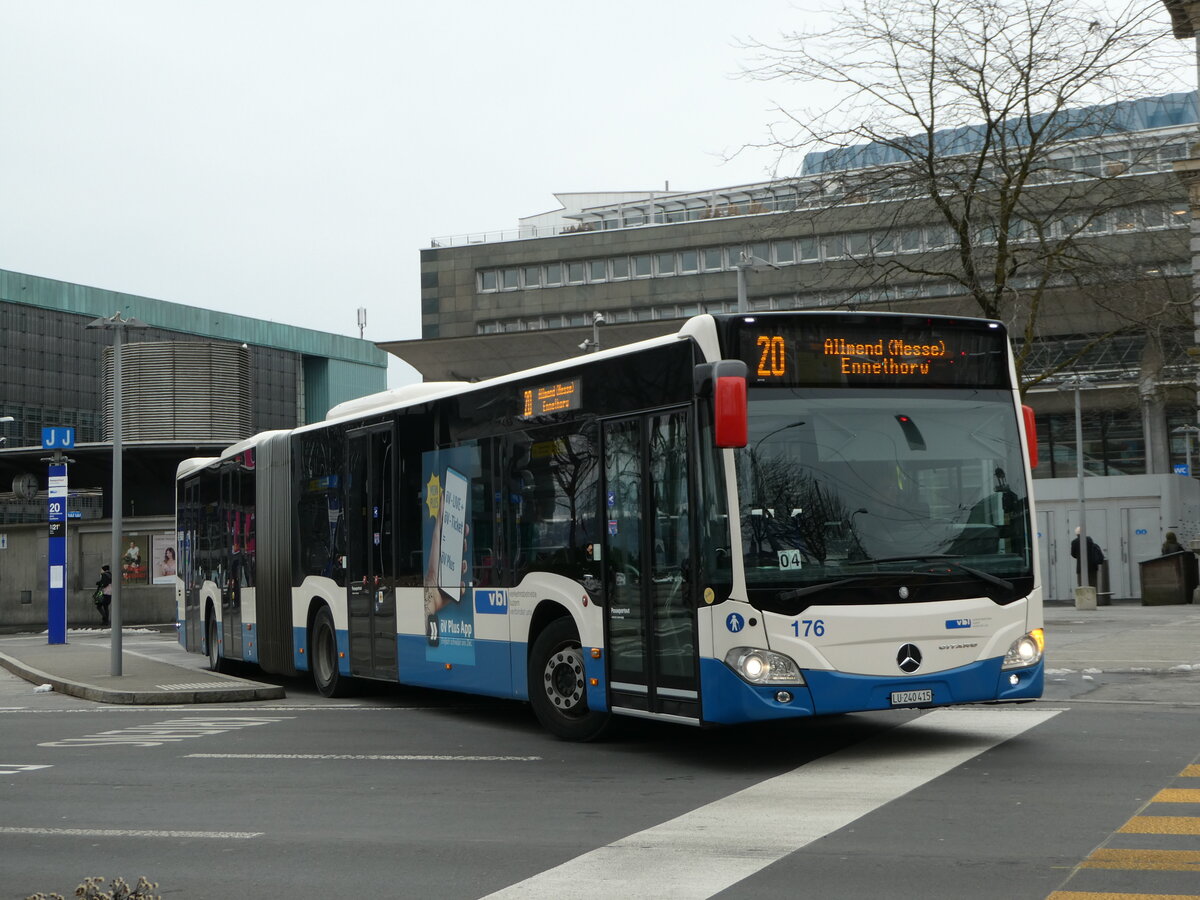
1190, 772
1171, 860
122, 832
1102, 895
705, 851
1177, 795
1161, 825
391, 757
18, 768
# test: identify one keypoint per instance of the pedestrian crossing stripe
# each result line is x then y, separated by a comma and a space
1168, 860
1161, 825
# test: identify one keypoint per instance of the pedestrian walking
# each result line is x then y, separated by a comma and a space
1095, 557
102, 596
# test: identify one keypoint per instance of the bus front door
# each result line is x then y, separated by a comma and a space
370, 546
651, 614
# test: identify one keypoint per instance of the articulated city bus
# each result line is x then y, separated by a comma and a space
758, 517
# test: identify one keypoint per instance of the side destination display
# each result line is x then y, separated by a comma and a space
550, 398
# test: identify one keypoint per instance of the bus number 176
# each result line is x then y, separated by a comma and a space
812, 627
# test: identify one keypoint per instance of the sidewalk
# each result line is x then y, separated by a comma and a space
1125, 638
157, 672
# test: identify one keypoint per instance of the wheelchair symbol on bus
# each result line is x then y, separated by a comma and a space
735, 622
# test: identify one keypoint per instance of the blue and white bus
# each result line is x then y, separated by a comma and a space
757, 517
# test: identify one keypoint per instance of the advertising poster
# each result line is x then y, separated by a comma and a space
135, 560
449, 610
163, 555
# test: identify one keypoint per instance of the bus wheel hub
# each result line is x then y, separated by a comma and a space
564, 679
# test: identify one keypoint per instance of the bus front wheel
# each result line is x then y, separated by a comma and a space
558, 685
329, 681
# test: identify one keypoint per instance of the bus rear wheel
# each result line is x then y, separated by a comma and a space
215, 661
558, 686
324, 662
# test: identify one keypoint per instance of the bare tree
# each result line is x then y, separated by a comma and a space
969, 114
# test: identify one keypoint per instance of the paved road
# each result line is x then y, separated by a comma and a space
415, 793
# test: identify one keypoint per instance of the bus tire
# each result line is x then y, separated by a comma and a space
324, 661
558, 687
216, 662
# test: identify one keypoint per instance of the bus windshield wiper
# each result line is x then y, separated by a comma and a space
796, 594
940, 557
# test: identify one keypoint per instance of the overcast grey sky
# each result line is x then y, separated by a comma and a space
288, 159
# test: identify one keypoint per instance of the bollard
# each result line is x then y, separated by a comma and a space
1085, 597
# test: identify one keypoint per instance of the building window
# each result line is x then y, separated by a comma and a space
809, 248
575, 273
641, 265
554, 273
510, 279
713, 259
1112, 444
858, 244
664, 263
784, 252
597, 270
487, 280
620, 266
533, 276
689, 261
832, 246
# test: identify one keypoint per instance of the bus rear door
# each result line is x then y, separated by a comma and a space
370, 560
651, 614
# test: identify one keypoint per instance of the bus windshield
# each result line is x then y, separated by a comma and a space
844, 488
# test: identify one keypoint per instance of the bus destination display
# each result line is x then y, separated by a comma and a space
550, 398
828, 354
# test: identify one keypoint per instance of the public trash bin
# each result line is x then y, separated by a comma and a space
1169, 579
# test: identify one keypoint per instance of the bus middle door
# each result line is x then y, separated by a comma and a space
651, 613
370, 546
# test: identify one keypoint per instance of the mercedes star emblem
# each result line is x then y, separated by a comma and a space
909, 658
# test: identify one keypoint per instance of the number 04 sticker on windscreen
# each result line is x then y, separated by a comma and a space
790, 559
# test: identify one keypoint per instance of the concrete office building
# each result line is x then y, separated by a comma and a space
497, 302
193, 382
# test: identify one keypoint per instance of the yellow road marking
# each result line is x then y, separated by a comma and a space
1167, 860
1177, 795
1190, 772
1099, 895
1161, 825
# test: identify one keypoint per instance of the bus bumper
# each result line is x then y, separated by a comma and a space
727, 699
979, 682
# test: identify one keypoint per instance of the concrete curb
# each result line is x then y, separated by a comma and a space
238, 690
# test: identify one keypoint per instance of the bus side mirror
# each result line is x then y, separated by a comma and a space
1030, 435
725, 382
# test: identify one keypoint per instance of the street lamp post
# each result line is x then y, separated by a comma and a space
118, 325
748, 261
1079, 383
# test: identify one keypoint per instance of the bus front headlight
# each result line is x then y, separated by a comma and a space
763, 666
1025, 650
